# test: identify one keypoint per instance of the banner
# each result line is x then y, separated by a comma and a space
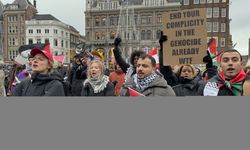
187, 36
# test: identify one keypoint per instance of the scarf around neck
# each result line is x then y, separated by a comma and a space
99, 84
142, 84
235, 84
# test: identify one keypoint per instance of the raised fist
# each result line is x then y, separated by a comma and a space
117, 41
208, 60
162, 39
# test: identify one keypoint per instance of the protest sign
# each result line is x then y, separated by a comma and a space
187, 36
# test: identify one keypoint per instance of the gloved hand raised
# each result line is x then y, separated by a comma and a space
117, 41
163, 38
208, 60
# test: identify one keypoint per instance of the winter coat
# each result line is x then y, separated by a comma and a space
75, 81
158, 87
87, 90
62, 71
187, 87
223, 91
41, 85
167, 71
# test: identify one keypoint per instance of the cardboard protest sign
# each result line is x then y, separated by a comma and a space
187, 36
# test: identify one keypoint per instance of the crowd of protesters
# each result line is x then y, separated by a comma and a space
88, 76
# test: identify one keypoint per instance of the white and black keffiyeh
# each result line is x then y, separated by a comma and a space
141, 84
98, 84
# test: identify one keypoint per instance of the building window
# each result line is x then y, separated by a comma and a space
150, 19
223, 27
223, 12
216, 1
38, 31
55, 31
186, 2
209, 26
143, 19
46, 41
30, 31
10, 30
62, 43
216, 26
216, 12
112, 35
46, 31
223, 42
97, 36
39, 41
202, 1
159, 18
136, 19
30, 41
103, 35
55, 42
209, 12
158, 34
103, 21
209, 1
97, 21
149, 35
143, 35
114, 20
196, 1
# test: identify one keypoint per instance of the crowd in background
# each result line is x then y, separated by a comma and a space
88, 76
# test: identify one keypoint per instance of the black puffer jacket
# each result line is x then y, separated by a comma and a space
41, 85
187, 87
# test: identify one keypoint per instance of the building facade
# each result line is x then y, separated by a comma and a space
14, 17
103, 21
137, 22
48, 29
218, 21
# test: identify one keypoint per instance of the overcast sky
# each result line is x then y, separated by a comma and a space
72, 12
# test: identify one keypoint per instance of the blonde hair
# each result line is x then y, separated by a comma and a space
187, 65
100, 64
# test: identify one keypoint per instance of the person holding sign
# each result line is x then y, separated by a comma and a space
230, 77
166, 71
146, 81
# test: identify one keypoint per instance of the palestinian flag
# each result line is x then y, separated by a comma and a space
133, 92
213, 51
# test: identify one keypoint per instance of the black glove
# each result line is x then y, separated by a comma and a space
117, 41
163, 38
208, 60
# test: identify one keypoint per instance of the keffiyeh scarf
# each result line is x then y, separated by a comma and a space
141, 84
235, 84
99, 84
